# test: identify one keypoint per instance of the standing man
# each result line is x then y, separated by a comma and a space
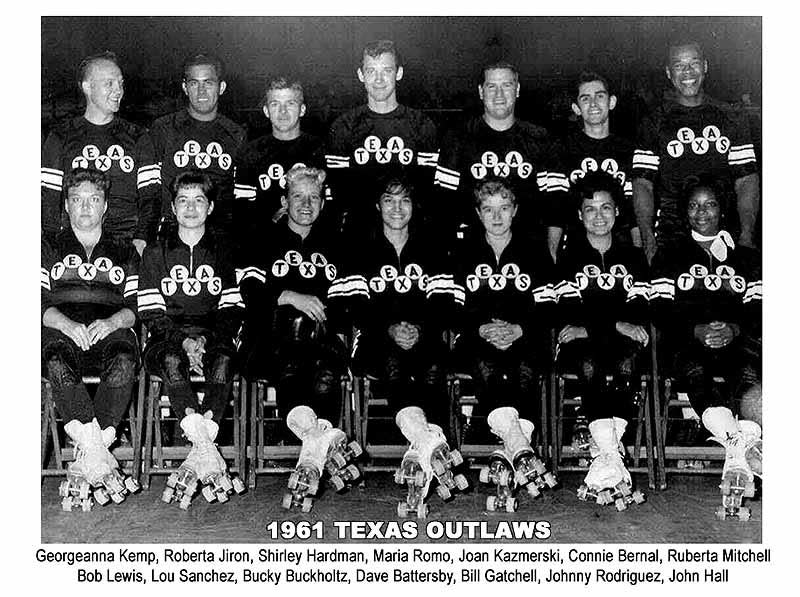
691, 134
384, 138
589, 149
198, 137
493, 144
261, 168
100, 140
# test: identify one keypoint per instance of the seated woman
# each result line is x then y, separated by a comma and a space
289, 336
602, 303
89, 284
707, 297
189, 300
397, 293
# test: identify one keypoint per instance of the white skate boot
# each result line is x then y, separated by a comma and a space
528, 470
204, 465
94, 467
741, 440
428, 456
324, 449
608, 480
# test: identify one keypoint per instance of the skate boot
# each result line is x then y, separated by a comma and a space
529, 471
608, 481
325, 450
95, 472
739, 439
411, 473
203, 466
435, 458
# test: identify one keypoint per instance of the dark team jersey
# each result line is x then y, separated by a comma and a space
577, 154
88, 287
286, 261
677, 142
185, 289
124, 151
596, 289
517, 288
381, 288
691, 287
471, 153
260, 177
364, 148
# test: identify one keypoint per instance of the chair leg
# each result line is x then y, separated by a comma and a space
554, 397
255, 424
57, 452
235, 391
147, 456
47, 398
365, 410
651, 456
543, 419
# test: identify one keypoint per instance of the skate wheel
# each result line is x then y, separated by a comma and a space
749, 489
338, 459
511, 505
638, 497
398, 477
337, 482
63, 489
402, 509
313, 487
504, 477
167, 494
743, 514
132, 485
583, 492
620, 504
483, 476
520, 477
583, 462
604, 497
725, 486
355, 448
117, 497
491, 503
208, 493
352, 472
293, 480
419, 478
721, 513
222, 497
172, 480
286, 502
186, 501
456, 458
443, 492
83, 490
461, 482
100, 496
225, 484
438, 467
66, 504
550, 479
624, 489
307, 504
238, 485
532, 490
86, 505
422, 510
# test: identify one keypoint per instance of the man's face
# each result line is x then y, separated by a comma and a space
687, 70
496, 214
104, 87
86, 205
499, 93
191, 207
395, 211
203, 88
284, 109
594, 103
380, 75
703, 211
303, 202
598, 214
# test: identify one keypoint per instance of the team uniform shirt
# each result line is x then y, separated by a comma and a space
86, 288
260, 180
690, 287
517, 288
678, 142
364, 148
472, 153
576, 155
124, 151
596, 290
187, 290
182, 142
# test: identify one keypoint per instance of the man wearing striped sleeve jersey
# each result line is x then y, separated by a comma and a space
495, 144
101, 140
371, 143
89, 283
198, 137
691, 134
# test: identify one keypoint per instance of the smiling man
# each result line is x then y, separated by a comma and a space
198, 137
691, 134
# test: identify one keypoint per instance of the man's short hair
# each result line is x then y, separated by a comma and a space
205, 60
86, 64
397, 185
78, 176
589, 76
493, 186
194, 178
684, 43
501, 65
376, 48
282, 83
298, 173
597, 181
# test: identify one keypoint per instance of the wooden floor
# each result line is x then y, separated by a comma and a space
682, 514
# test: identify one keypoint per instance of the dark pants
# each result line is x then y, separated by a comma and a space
115, 359
413, 377
592, 359
168, 360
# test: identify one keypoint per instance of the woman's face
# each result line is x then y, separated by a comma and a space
703, 211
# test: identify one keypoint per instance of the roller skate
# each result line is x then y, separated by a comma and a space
203, 466
428, 456
95, 475
325, 450
528, 469
608, 481
581, 437
500, 473
742, 443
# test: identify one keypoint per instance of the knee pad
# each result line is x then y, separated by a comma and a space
60, 373
174, 370
121, 370
219, 370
